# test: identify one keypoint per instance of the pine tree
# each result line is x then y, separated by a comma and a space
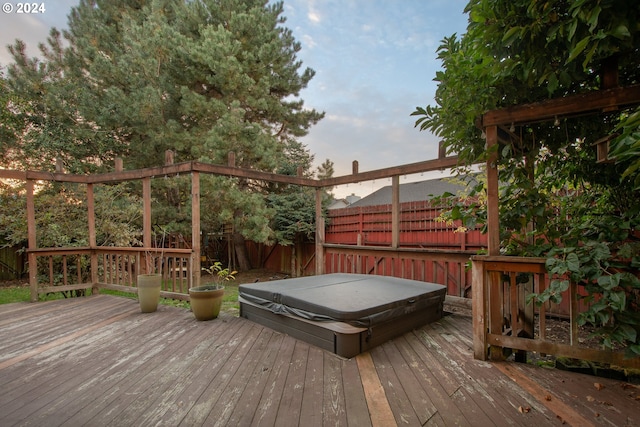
201, 78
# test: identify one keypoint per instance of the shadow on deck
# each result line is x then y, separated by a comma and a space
98, 361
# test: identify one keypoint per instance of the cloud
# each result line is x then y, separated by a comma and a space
313, 16
27, 27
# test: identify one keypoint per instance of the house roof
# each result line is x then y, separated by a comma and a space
416, 191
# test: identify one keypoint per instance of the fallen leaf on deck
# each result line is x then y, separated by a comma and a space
591, 398
598, 386
524, 410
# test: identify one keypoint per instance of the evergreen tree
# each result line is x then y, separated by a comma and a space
201, 78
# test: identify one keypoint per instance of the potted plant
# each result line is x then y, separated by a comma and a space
150, 282
206, 300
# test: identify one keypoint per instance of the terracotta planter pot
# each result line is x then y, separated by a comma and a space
206, 301
149, 292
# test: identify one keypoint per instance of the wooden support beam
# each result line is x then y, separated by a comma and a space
146, 216
169, 157
426, 166
493, 220
395, 211
91, 221
196, 267
479, 309
320, 229
32, 241
568, 106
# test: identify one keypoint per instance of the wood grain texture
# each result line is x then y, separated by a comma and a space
98, 361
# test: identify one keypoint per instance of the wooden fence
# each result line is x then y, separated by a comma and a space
446, 267
11, 263
420, 226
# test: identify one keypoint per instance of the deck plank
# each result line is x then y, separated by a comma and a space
291, 401
98, 361
312, 405
267, 410
355, 399
396, 394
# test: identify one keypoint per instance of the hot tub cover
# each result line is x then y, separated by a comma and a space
357, 299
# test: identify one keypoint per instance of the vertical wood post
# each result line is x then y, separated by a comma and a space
319, 233
91, 221
32, 242
493, 221
195, 229
492, 285
395, 211
118, 164
169, 157
479, 309
146, 221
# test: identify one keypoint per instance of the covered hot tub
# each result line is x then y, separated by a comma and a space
343, 313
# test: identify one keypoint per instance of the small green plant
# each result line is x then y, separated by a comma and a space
219, 274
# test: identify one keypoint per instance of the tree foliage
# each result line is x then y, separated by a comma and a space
556, 201
201, 78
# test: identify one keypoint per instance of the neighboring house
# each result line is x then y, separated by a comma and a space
415, 191
344, 203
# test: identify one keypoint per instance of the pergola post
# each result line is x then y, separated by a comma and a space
195, 229
146, 219
32, 241
319, 233
395, 211
91, 220
493, 237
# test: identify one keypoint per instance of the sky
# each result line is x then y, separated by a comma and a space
375, 61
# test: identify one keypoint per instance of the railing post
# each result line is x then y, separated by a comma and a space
479, 309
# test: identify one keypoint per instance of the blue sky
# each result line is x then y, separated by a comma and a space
375, 61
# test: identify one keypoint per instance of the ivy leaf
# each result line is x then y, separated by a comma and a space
577, 50
618, 300
573, 262
628, 332
620, 32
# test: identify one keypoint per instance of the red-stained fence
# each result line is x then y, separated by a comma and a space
420, 227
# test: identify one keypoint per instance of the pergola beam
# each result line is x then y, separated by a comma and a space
426, 166
230, 171
568, 106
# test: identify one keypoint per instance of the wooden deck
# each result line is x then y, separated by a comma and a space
98, 361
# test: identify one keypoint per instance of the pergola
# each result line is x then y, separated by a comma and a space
194, 169
491, 302
488, 298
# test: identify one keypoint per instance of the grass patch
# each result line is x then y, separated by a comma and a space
21, 293
13, 294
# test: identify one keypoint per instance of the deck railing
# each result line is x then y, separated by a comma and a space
502, 319
74, 270
446, 267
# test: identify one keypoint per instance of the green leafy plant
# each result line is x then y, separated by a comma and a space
218, 274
